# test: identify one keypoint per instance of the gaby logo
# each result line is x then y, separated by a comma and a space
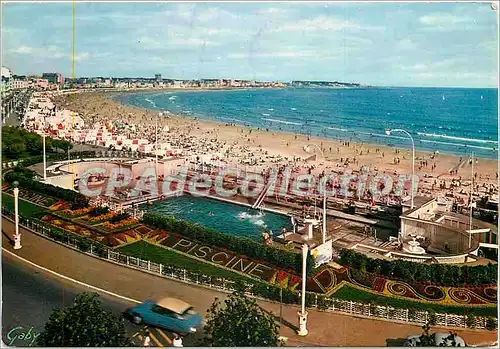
22, 336
227, 182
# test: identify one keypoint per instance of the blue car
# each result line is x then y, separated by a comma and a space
168, 313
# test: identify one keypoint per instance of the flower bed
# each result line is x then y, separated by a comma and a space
437, 294
76, 213
73, 228
112, 241
58, 206
101, 218
122, 224
143, 230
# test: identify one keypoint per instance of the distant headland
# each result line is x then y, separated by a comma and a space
323, 84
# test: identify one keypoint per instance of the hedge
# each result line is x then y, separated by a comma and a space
244, 246
442, 274
25, 179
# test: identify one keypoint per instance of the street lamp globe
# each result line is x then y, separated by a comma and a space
15, 184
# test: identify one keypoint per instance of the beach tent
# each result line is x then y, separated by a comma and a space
164, 146
146, 147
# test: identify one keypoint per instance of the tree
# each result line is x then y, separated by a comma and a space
426, 339
242, 323
84, 324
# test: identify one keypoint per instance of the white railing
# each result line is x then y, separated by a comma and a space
225, 285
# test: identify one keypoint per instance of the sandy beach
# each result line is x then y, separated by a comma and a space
440, 174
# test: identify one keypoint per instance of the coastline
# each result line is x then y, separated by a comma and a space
257, 143
433, 140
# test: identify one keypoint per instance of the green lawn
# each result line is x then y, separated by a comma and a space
26, 208
353, 294
145, 250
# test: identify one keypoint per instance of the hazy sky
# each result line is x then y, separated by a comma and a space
402, 44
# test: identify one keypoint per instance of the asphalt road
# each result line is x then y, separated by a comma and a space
29, 295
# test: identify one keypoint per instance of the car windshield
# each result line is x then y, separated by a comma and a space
189, 311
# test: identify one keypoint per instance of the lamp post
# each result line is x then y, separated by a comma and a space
44, 159
17, 236
324, 216
303, 314
388, 132
471, 205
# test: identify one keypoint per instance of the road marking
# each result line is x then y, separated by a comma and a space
153, 337
169, 341
72, 280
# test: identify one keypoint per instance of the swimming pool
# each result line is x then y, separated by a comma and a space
222, 216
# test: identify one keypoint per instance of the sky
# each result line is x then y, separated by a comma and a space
384, 44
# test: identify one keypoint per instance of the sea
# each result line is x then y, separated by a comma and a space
456, 121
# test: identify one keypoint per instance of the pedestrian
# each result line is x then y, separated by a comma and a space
177, 342
147, 340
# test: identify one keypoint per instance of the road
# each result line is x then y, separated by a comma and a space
30, 294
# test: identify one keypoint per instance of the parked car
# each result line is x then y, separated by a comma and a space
168, 313
441, 340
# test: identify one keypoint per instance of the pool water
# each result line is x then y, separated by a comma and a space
222, 216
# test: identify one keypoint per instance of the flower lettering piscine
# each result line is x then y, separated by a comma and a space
159, 236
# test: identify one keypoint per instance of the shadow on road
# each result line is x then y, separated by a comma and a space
11, 240
283, 321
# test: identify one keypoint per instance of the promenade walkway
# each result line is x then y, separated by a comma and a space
325, 329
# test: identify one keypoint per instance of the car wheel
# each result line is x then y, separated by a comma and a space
136, 319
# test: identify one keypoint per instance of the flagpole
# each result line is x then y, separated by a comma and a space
44, 158
470, 204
